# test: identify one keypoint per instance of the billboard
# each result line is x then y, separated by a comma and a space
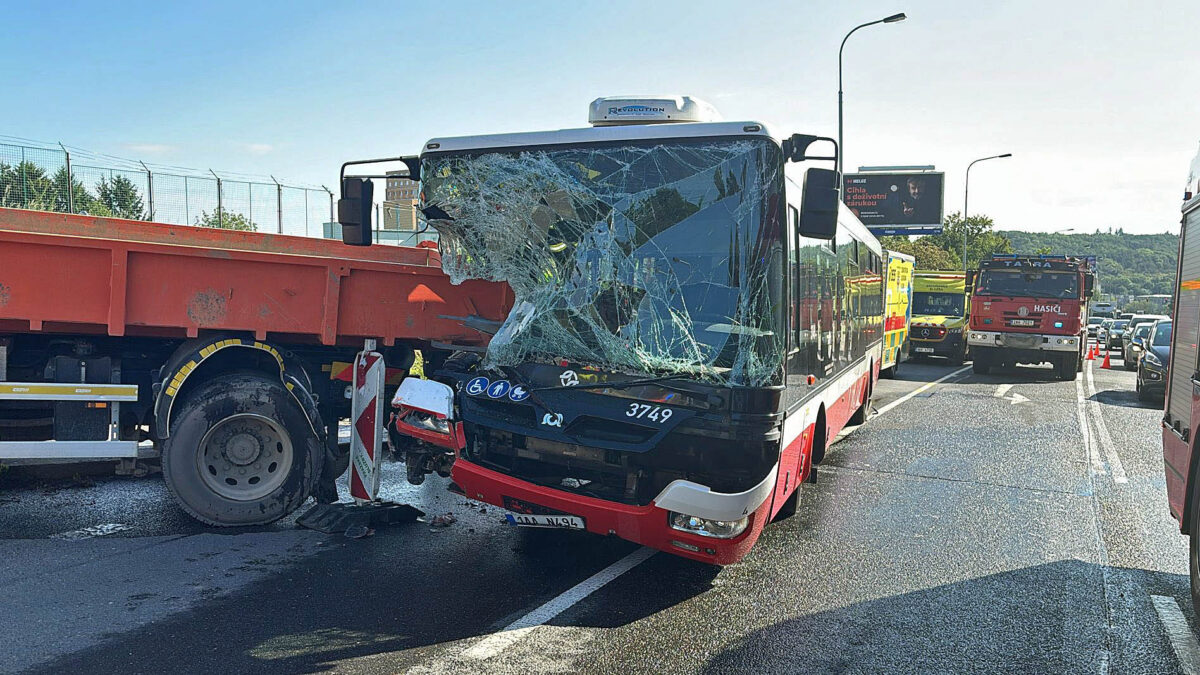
896, 203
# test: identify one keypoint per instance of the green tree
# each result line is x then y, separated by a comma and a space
928, 256
223, 219
68, 191
26, 186
121, 197
1043, 250
982, 241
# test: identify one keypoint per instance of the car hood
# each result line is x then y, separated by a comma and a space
1162, 352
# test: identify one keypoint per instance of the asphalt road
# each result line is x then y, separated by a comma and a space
999, 523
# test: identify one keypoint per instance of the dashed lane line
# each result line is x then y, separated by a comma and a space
1180, 635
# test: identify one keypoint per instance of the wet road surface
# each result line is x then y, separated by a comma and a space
990, 523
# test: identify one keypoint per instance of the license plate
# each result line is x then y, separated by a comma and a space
533, 520
923, 350
1022, 322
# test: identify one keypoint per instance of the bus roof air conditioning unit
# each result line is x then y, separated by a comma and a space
620, 110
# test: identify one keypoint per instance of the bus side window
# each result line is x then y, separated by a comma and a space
794, 270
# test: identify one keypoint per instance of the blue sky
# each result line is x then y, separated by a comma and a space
1096, 100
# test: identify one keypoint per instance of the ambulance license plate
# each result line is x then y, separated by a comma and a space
534, 520
923, 350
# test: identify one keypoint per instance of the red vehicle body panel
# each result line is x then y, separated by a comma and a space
62, 273
1001, 309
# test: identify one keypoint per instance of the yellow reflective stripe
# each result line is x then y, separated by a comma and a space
82, 390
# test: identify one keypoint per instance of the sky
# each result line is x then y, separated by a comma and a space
1097, 101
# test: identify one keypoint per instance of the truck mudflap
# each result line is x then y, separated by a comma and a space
647, 525
1026, 341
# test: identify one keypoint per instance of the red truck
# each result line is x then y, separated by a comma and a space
1181, 413
1030, 309
227, 354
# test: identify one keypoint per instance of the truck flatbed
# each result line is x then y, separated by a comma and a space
76, 274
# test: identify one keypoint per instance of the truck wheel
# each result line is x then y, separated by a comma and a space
959, 357
1194, 546
241, 452
1066, 367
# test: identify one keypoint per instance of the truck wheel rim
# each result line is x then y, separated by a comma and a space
244, 457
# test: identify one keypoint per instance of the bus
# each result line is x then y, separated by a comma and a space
696, 317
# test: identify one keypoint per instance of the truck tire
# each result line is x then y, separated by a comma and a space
241, 452
1194, 544
1065, 367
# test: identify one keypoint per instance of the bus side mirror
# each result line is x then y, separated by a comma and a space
1089, 285
819, 205
354, 211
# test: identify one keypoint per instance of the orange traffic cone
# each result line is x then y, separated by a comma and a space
1091, 354
1106, 364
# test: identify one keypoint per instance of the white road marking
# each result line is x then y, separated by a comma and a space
515, 631
1183, 641
1001, 390
1110, 451
918, 390
1096, 464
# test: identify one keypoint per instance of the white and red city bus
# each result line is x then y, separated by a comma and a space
697, 316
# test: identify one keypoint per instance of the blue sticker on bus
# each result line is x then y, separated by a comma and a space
478, 385
518, 393
498, 389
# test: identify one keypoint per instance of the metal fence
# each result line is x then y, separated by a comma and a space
49, 179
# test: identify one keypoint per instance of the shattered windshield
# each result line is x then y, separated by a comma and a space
654, 257
1029, 284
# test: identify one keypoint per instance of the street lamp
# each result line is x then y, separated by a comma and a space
841, 148
966, 191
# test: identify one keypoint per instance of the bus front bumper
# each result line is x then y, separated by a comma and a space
646, 525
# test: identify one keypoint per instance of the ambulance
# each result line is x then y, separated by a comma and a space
897, 306
939, 315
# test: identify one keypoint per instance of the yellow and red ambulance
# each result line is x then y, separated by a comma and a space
896, 310
939, 315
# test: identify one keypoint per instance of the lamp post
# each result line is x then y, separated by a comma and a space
841, 147
966, 192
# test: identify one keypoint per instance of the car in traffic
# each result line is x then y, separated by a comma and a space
1136, 345
1092, 324
1102, 330
1152, 367
1115, 333
1138, 320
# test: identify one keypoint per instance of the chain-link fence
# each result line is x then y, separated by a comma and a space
49, 179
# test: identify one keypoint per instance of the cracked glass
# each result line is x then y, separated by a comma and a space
647, 258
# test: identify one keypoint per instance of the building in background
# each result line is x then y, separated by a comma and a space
400, 203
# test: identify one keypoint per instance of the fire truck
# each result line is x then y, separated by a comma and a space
1181, 414
1030, 309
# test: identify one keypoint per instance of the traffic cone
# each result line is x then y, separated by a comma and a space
1091, 354
1106, 365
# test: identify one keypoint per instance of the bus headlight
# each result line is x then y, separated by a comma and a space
717, 529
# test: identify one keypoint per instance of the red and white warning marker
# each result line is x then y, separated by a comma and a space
366, 432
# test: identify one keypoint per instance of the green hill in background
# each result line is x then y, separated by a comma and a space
1129, 264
